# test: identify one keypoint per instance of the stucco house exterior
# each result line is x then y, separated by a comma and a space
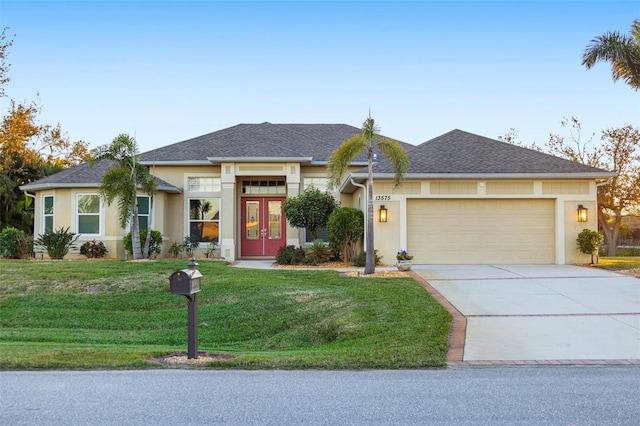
466, 199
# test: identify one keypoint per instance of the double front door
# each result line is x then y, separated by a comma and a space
263, 226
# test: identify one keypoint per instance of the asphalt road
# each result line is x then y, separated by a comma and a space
607, 395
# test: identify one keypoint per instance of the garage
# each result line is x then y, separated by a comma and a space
472, 231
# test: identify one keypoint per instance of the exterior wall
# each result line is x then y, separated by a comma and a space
64, 205
567, 195
573, 228
170, 215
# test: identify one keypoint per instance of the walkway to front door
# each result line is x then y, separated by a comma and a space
263, 226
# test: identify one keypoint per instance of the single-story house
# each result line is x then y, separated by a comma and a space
465, 199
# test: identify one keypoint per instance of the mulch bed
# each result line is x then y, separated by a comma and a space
181, 360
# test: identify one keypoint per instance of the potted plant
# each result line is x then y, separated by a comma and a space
403, 260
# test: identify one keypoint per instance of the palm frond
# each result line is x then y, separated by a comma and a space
398, 157
343, 156
117, 183
145, 180
370, 130
623, 52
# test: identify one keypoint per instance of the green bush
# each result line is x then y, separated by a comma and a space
155, 248
57, 243
309, 209
589, 241
210, 251
346, 228
175, 249
190, 243
289, 255
361, 259
93, 249
310, 261
14, 243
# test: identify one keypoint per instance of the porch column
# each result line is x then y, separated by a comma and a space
228, 216
293, 189
560, 233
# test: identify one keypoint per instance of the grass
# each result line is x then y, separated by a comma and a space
115, 314
618, 262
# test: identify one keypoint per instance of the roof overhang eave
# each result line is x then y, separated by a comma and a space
176, 163
348, 187
169, 189
53, 185
49, 186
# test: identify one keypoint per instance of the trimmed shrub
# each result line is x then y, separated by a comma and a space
361, 259
589, 241
14, 243
93, 249
155, 248
346, 228
289, 255
57, 243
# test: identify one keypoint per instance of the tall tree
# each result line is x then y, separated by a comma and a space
4, 66
619, 152
368, 141
622, 51
28, 151
122, 181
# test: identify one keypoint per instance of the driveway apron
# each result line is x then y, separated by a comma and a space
542, 312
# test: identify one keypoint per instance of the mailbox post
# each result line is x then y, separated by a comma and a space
187, 283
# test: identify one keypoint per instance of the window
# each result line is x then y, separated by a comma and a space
48, 213
88, 210
263, 187
323, 234
144, 210
203, 184
204, 219
321, 183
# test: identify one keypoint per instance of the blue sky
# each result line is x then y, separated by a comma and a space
167, 71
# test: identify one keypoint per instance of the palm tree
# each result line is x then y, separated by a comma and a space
622, 51
122, 181
349, 150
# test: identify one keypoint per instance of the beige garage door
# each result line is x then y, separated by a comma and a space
481, 231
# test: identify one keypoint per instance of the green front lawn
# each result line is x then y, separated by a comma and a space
115, 314
618, 262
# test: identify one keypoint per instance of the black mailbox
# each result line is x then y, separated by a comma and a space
185, 282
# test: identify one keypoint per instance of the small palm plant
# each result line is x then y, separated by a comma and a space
57, 243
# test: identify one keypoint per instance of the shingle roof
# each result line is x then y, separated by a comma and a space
459, 152
85, 175
308, 142
454, 153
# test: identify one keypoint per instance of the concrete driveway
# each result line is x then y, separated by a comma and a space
551, 313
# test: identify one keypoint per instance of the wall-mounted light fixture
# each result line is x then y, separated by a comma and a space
382, 214
582, 213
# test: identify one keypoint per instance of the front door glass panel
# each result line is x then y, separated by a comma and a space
275, 220
252, 224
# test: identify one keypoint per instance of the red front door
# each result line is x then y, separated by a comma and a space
263, 226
